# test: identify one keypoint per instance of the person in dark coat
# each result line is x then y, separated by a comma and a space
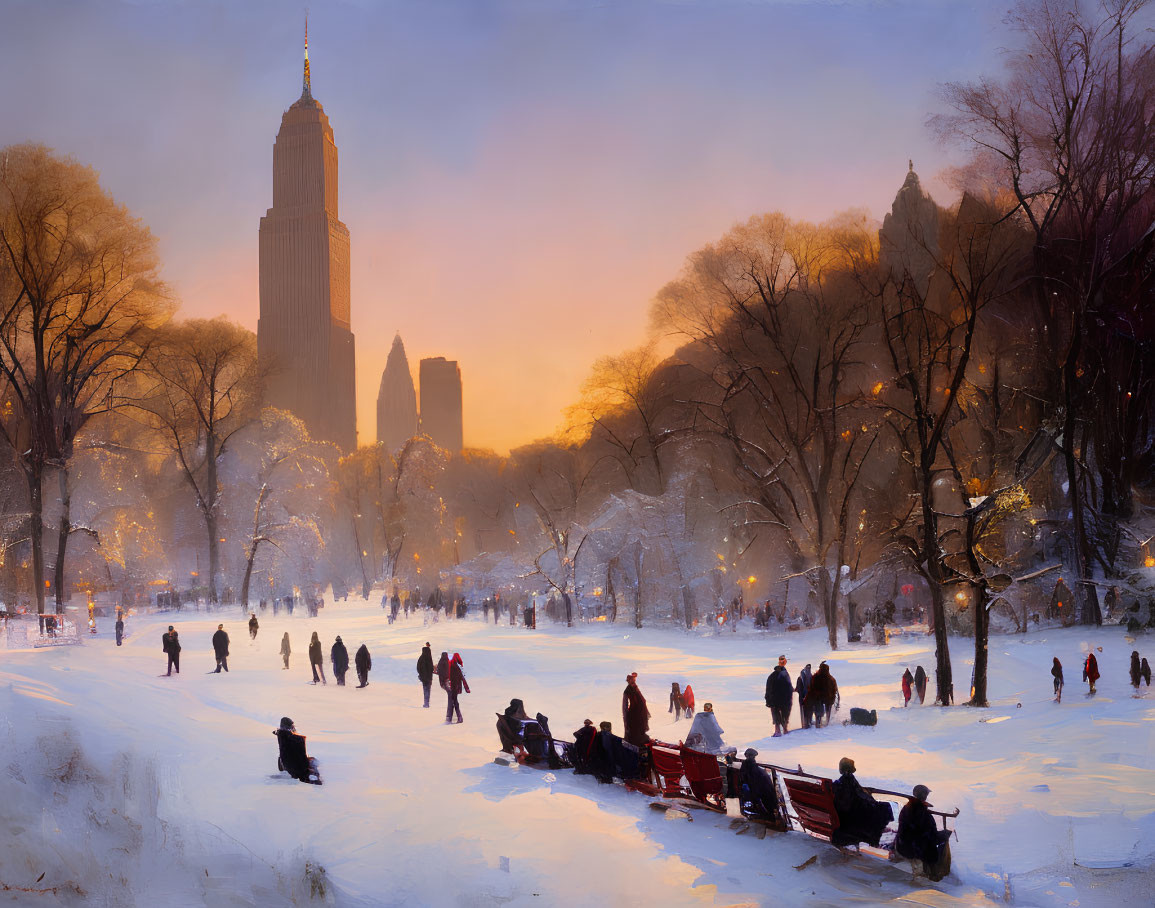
1057, 675
920, 684
823, 694
677, 704
920, 839
1136, 670
286, 649
339, 656
119, 629
780, 697
363, 663
802, 688
1145, 671
860, 817
221, 648
170, 643
453, 688
509, 725
443, 671
425, 670
583, 747
635, 713
294, 759
907, 684
756, 793
253, 625
1091, 670
316, 659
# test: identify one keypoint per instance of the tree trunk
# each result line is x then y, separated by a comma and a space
982, 616
62, 538
35, 477
828, 592
638, 556
688, 604
365, 585
568, 608
249, 573
213, 498
943, 681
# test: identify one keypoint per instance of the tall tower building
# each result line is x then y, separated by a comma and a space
396, 400
304, 333
440, 381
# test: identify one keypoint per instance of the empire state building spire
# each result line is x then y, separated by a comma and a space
306, 84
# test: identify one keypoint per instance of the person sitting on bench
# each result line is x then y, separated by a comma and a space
509, 727
293, 759
860, 817
756, 795
920, 839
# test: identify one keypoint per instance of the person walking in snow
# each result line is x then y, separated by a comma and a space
454, 687
920, 684
171, 645
1057, 675
221, 649
802, 688
316, 660
824, 694
635, 713
1145, 671
676, 702
363, 663
907, 681
443, 671
1136, 671
780, 697
688, 700
1091, 671
339, 656
425, 671
119, 629
286, 650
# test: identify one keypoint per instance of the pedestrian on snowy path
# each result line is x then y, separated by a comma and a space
1145, 671
425, 670
285, 648
1136, 671
907, 681
453, 688
779, 697
253, 625
635, 713
1057, 675
1091, 670
802, 688
363, 663
221, 649
119, 629
171, 645
316, 660
443, 671
688, 700
676, 702
339, 656
823, 695
920, 684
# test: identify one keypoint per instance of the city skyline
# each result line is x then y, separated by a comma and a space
539, 167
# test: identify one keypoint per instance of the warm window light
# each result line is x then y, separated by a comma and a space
1149, 561
751, 579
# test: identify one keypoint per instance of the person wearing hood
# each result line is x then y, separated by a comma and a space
920, 684
756, 793
677, 704
780, 697
1145, 671
170, 643
707, 733
339, 656
920, 839
119, 629
802, 688
363, 663
1091, 670
286, 649
443, 671
1057, 676
221, 649
907, 683
509, 725
316, 660
454, 687
583, 748
635, 713
1136, 670
823, 694
294, 758
425, 670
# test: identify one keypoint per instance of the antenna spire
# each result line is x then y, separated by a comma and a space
306, 85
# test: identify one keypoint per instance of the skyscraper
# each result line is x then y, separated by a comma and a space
440, 381
304, 333
396, 400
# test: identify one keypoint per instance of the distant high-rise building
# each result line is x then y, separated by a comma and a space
397, 400
440, 381
304, 333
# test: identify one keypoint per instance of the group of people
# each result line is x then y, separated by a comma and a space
913, 684
1140, 671
817, 696
338, 657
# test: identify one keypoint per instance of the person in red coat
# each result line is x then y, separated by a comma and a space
907, 681
1091, 670
454, 687
635, 713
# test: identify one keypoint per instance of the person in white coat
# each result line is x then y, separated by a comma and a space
706, 734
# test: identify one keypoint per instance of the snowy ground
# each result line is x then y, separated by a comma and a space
125, 788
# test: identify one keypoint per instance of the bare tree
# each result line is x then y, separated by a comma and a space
79, 293
205, 388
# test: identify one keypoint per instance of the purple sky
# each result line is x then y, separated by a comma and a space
519, 178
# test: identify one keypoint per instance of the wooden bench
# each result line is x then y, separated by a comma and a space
813, 803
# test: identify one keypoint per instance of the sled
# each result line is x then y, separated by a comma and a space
705, 777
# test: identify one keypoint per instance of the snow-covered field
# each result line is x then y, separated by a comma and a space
125, 788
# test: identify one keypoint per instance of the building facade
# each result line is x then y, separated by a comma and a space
304, 334
441, 420
396, 400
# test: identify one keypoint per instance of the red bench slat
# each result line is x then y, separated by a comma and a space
813, 802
